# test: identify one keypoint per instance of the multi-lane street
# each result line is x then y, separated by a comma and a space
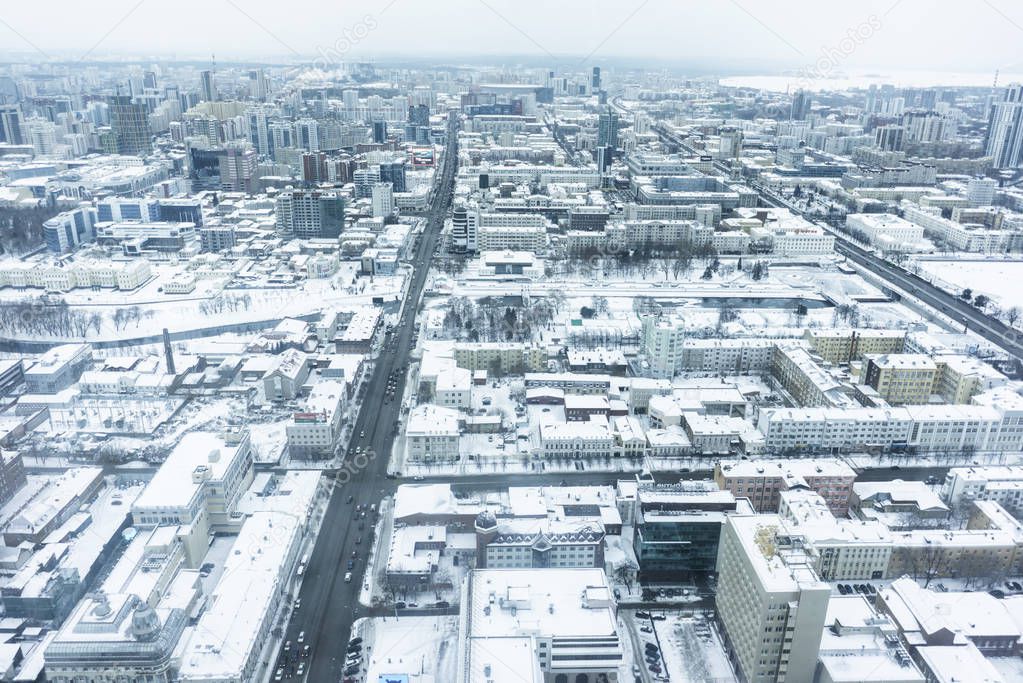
994, 331
329, 604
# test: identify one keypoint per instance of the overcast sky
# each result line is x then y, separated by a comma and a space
954, 35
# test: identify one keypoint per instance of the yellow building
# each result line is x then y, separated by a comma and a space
901, 378
842, 346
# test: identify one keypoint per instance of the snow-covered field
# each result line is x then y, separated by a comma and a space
995, 278
158, 310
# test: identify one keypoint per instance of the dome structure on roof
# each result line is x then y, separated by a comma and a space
145, 622
486, 520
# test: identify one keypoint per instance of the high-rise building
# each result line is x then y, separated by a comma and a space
379, 132
10, 124
259, 86
595, 83
364, 179
770, 600
314, 167
419, 115
350, 100
282, 136
310, 214
925, 126
981, 191
464, 228
730, 145
238, 168
207, 86
259, 132
889, 137
130, 125
394, 172
383, 200
1005, 129
307, 135
607, 129
604, 157
800, 106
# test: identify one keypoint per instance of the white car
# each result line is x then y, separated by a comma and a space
348, 577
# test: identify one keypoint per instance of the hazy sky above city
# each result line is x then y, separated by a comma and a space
980, 35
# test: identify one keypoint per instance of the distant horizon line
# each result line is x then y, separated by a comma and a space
581, 62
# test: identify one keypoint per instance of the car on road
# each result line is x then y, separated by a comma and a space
279, 676
300, 671
298, 603
442, 604
358, 540
355, 641
351, 564
351, 671
348, 577
351, 499
301, 637
418, 477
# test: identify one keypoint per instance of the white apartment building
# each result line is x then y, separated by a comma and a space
929, 428
841, 549
590, 439
770, 600
453, 388
961, 236
314, 430
1002, 484
432, 434
887, 231
513, 237
662, 342
383, 200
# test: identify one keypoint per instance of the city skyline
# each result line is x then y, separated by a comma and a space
909, 35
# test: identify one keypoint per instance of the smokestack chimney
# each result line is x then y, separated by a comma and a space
168, 353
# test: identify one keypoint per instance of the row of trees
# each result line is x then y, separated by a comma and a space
31, 317
1010, 316
225, 302
134, 314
